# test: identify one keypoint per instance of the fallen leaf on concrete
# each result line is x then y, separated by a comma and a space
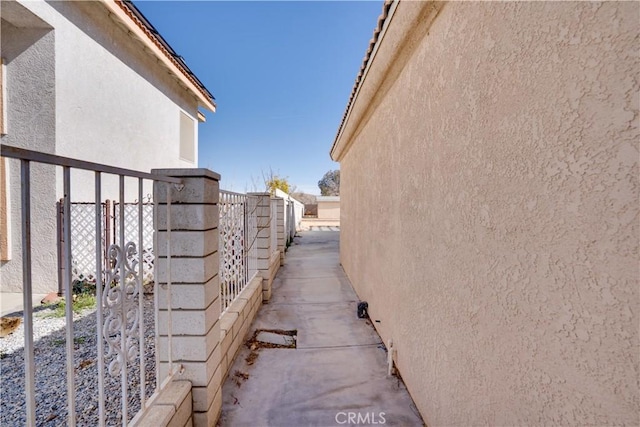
239, 377
251, 358
235, 402
242, 375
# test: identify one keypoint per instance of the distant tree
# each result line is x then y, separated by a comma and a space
330, 183
273, 181
278, 183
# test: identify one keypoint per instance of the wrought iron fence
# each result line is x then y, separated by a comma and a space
131, 230
238, 233
126, 332
83, 236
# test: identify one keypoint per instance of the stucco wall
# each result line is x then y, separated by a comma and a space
121, 107
490, 210
29, 55
328, 209
107, 101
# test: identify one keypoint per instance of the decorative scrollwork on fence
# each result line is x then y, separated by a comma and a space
83, 236
121, 312
131, 232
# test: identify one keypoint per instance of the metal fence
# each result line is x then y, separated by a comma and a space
83, 236
131, 230
125, 342
238, 233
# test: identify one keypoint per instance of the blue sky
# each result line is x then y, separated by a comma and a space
281, 72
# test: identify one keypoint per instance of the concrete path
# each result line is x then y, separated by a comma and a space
12, 302
337, 375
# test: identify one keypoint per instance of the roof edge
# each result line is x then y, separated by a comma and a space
383, 64
129, 15
374, 43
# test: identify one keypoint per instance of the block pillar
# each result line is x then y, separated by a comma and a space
195, 290
282, 228
264, 242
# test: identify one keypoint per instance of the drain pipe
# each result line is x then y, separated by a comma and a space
390, 351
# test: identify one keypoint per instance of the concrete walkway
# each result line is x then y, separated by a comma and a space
12, 302
337, 375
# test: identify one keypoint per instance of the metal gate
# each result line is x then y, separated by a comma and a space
83, 238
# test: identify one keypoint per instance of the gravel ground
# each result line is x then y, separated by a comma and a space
50, 372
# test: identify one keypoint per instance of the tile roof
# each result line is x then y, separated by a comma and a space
365, 62
154, 36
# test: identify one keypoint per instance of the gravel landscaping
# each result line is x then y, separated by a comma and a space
50, 372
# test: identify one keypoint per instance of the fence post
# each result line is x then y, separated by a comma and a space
195, 288
107, 227
60, 244
265, 250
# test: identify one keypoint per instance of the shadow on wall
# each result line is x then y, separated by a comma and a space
28, 49
92, 18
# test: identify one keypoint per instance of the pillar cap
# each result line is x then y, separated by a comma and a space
188, 173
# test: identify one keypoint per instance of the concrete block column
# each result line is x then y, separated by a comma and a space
264, 241
195, 290
282, 228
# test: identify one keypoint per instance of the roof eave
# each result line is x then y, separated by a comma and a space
388, 9
121, 12
390, 49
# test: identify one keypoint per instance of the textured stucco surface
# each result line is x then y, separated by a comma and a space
80, 86
328, 209
490, 211
29, 53
114, 104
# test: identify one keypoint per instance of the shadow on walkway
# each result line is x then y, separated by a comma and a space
337, 375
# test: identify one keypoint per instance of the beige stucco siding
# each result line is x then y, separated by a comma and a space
489, 213
329, 209
328, 212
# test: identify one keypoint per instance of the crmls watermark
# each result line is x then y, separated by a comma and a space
365, 418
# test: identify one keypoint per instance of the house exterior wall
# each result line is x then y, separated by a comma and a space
30, 89
120, 108
328, 207
104, 99
489, 190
